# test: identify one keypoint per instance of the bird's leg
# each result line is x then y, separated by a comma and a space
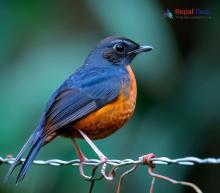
80, 154
102, 157
82, 159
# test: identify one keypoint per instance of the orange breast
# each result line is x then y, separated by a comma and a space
111, 117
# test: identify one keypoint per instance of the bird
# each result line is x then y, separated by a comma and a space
92, 103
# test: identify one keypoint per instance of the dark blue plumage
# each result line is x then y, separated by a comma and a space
81, 95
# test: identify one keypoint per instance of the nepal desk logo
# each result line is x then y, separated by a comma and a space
168, 13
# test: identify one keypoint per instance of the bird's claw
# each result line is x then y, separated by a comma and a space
103, 170
92, 176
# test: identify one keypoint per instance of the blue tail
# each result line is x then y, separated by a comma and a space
36, 141
30, 158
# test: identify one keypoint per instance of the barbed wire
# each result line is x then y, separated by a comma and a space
115, 164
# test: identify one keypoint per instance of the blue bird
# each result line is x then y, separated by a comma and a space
92, 103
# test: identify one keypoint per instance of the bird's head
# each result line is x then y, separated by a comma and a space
116, 50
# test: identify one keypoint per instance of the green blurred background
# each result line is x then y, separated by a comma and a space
178, 107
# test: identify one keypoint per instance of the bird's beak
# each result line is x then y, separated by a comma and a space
141, 49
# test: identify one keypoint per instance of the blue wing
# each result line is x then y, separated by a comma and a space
80, 99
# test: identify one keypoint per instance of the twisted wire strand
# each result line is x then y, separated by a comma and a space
114, 162
148, 159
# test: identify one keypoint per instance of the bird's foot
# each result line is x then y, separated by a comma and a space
101, 156
103, 169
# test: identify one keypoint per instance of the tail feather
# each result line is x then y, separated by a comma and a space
32, 154
32, 141
29, 142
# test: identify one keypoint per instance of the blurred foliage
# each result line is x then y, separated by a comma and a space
178, 104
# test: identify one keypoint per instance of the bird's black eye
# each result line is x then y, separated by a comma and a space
119, 48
